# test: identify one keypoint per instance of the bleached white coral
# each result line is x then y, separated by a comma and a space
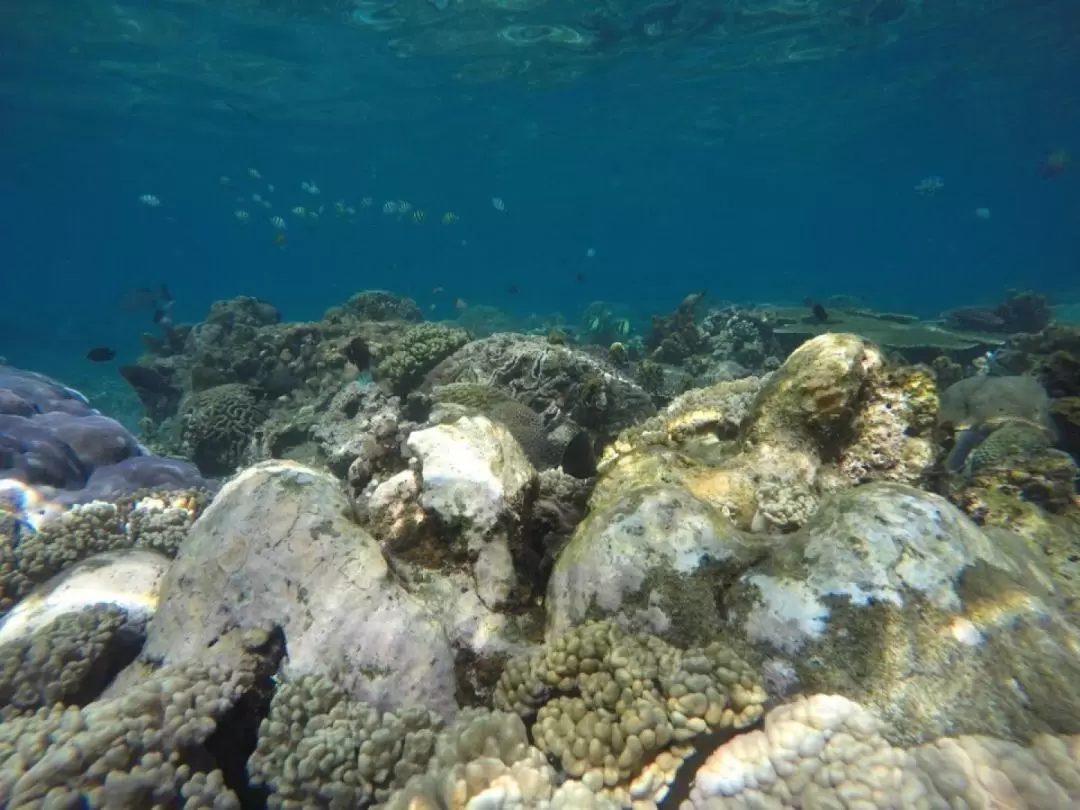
826, 751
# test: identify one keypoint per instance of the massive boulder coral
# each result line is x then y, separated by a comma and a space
833, 416
279, 545
478, 484
825, 751
54, 442
654, 559
893, 597
555, 381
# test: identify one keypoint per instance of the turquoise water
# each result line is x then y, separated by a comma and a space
765, 151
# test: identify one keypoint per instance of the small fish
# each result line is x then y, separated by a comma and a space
365, 202
819, 313
390, 207
150, 200
256, 197
300, 211
929, 186
622, 327
590, 253
100, 354
255, 173
580, 278
418, 215
404, 206
310, 188
431, 307
270, 187
449, 218
278, 223
279, 239
498, 204
982, 213
437, 290
350, 211
224, 180
241, 215
1056, 163
460, 305
513, 289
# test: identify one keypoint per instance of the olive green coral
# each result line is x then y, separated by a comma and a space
318, 748
62, 662
218, 425
125, 753
157, 521
484, 759
606, 702
420, 349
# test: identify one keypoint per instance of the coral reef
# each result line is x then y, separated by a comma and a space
434, 597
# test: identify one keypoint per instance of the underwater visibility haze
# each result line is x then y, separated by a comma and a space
538, 404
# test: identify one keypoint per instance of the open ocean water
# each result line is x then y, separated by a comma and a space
766, 151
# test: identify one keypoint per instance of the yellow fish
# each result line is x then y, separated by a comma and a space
418, 215
449, 218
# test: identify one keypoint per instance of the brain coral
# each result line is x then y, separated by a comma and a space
218, 425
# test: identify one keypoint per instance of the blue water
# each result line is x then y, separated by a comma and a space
686, 164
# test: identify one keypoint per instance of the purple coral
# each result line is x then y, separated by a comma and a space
51, 439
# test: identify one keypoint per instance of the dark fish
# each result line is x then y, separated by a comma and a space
100, 354
513, 289
580, 278
146, 379
819, 313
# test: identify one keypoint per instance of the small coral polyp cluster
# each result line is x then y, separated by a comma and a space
441, 572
